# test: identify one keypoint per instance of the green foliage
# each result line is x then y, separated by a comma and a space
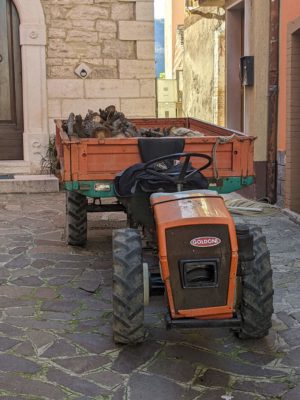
49, 163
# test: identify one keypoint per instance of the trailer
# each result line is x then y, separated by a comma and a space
87, 166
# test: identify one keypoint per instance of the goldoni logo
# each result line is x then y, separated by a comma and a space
206, 241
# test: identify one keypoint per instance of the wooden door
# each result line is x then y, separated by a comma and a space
11, 110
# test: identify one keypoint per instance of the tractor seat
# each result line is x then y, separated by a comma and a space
154, 148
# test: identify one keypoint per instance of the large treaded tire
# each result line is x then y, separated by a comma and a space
128, 287
257, 291
76, 219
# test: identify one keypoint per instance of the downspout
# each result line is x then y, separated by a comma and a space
273, 101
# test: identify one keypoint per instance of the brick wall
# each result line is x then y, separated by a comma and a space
115, 39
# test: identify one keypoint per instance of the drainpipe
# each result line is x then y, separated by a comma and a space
273, 101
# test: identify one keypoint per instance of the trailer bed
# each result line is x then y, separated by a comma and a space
85, 162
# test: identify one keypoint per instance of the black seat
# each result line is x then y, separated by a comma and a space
153, 148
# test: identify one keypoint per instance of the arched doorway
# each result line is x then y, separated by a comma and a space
11, 99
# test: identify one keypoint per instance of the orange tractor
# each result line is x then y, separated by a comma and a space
181, 239
214, 273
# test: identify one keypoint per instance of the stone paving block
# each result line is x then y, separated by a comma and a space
57, 316
33, 323
221, 394
293, 394
149, 387
89, 325
292, 358
11, 331
256, 358
296, 316
40, 264
88, 314
58, 348
60, 280
211, 360
11, 363
63, 257
72, 293
45, 293
119, 394
89, 281
31, 281
8, 302
213, 378
5, 257
40, 339
17, 250
25, 349
106, 378
133, 357
30, 387
7, 343
291, 336
59, 305
82, 364
288, 320
75, 383
92, 342
95, 304
268, 389
18, 262
178, 370
20, 311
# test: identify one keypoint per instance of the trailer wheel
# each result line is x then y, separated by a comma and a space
257, 291
128, 287
76, 219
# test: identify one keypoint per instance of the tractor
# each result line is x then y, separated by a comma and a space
182, 240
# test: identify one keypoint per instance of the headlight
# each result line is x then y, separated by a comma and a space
102, 187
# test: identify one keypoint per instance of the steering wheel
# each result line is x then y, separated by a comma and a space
180, 177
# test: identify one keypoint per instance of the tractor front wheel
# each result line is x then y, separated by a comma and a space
128, 287
76, 219
257, 291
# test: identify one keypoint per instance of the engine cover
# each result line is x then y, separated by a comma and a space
198, 253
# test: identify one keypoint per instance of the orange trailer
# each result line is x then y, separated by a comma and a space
88, 166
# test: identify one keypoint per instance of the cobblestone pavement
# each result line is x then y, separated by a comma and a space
55, 321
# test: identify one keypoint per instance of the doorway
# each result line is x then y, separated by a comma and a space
11, 99
235, 38
293, 123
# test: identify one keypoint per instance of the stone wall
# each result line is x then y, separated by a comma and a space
115, 39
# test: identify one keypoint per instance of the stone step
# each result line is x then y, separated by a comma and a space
14, 167
28, 184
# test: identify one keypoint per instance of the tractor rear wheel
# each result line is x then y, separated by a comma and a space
257, 291
76, 219
128, 287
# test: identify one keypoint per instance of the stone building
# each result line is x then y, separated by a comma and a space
109, 42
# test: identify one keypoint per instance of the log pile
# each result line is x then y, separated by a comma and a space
110, 123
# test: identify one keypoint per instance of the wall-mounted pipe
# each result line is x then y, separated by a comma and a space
273, 100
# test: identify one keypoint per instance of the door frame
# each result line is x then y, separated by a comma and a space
292, 168
33, 53
235, 31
